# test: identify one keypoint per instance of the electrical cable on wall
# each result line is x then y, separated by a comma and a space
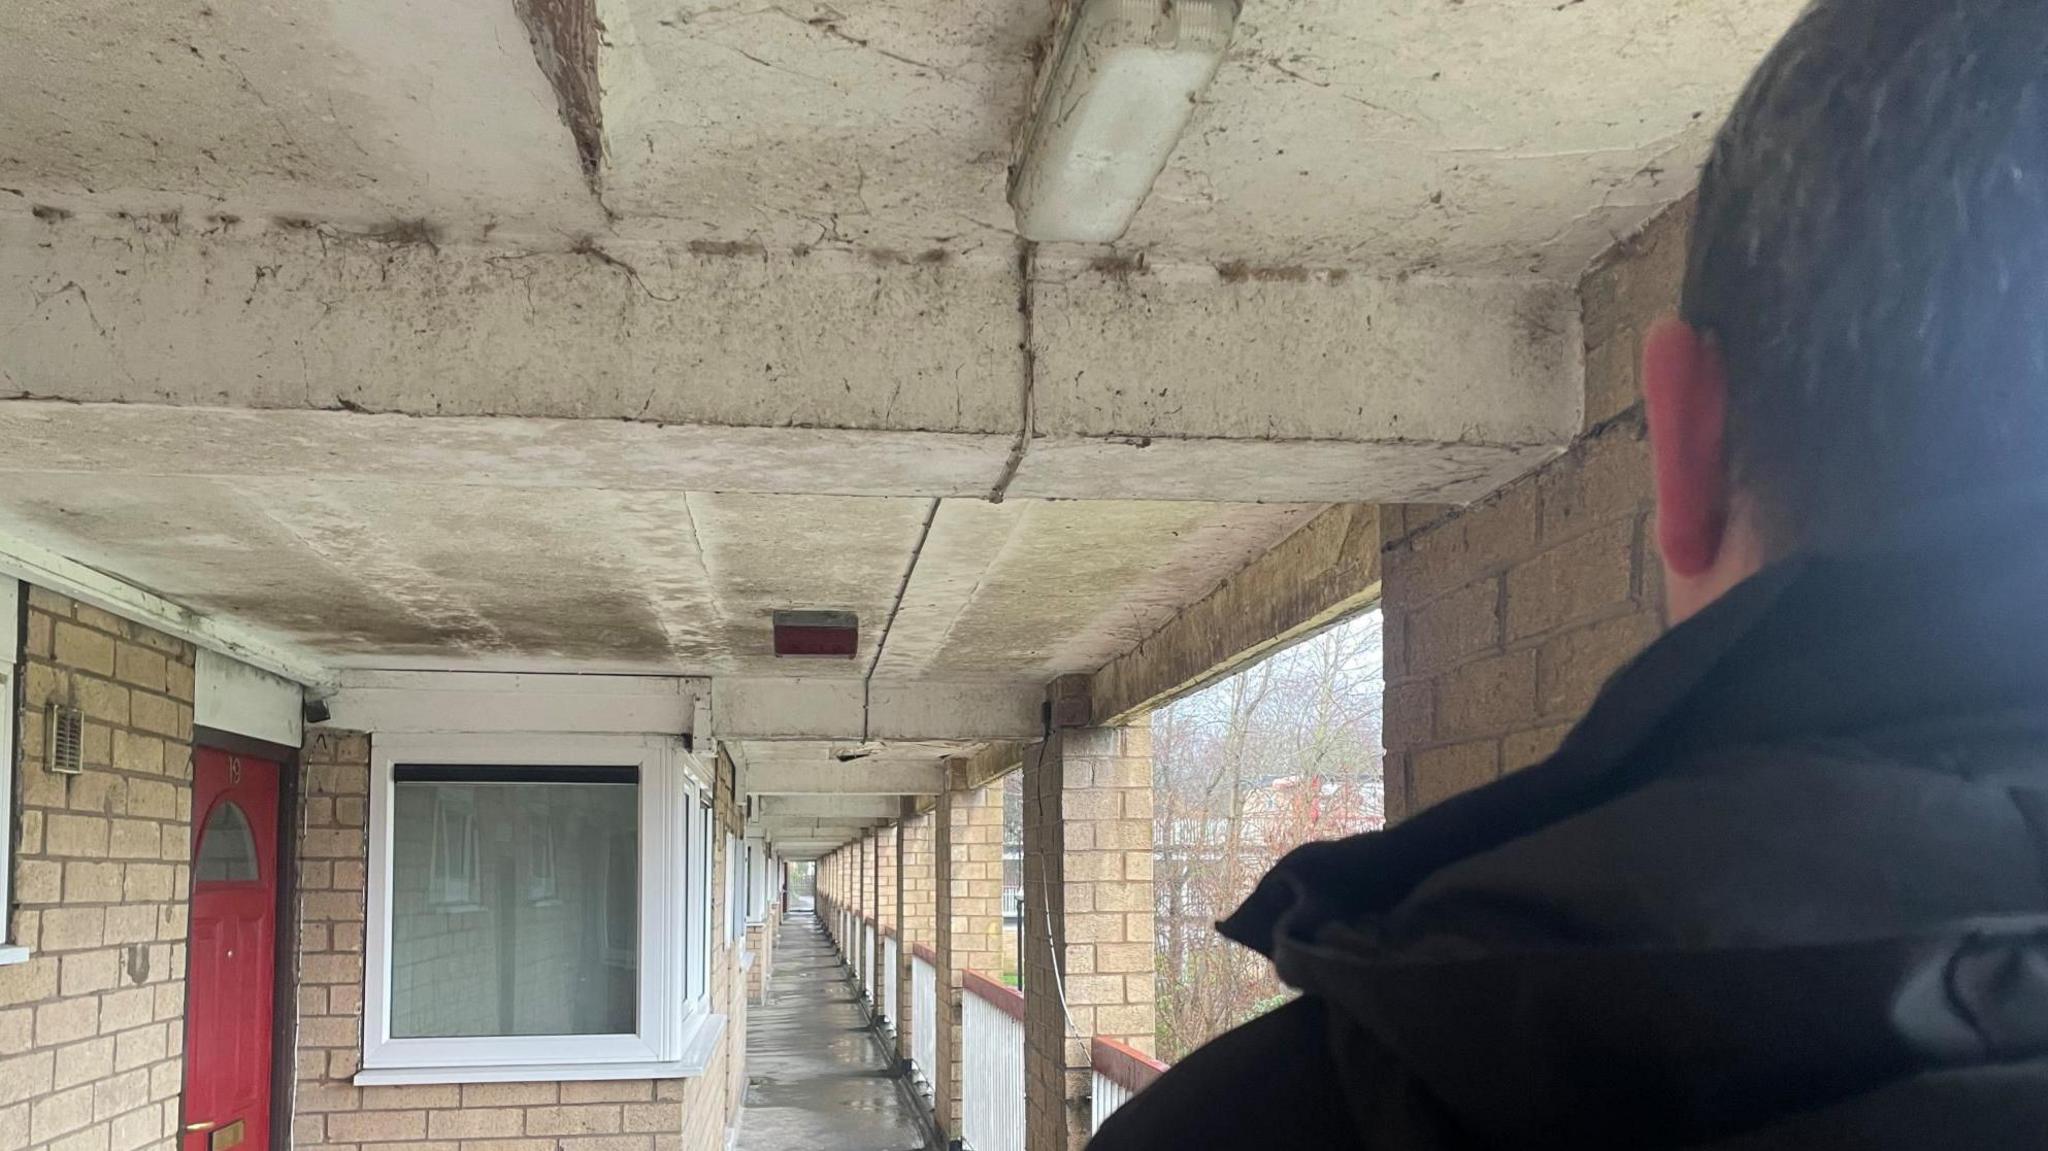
1059, 981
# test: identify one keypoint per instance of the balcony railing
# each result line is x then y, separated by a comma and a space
1121, 1071
890, 967
924, 1017
867, 960
992, 1064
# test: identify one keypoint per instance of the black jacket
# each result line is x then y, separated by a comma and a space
1785, 886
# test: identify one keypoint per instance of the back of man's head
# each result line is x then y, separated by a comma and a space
1871, 258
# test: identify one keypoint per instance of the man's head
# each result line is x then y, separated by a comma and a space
1864, 327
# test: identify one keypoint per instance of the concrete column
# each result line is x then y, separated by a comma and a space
1089, 945
967, 857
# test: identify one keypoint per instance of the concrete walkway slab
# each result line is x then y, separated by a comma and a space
815, 1079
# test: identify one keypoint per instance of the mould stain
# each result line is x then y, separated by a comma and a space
1243, 272
725, 248
413, 232
1119, 267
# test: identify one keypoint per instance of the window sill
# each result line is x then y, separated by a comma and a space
13, 955
696, 1058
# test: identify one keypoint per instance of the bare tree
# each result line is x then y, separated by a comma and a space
1279, 754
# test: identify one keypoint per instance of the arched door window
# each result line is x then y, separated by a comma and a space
227, 848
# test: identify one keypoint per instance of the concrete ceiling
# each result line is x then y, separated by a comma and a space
812, 796
1492, 136
402, 344
413, 574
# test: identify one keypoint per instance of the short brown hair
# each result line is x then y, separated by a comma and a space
1871, 255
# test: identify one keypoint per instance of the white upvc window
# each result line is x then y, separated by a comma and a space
10, 695
758, 871
534, 910
735, 893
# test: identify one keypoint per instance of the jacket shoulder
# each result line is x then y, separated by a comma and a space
1270, 1083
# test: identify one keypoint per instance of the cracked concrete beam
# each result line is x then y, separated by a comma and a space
854, 778
772, 808
848, 709
989, 763
1318, 575
727, 368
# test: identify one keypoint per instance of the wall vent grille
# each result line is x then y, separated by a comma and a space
67, 740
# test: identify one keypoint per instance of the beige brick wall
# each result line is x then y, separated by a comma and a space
92, 1028
967, 850
1088, 870
332, 1113
1504, 619
761, 944
920, 908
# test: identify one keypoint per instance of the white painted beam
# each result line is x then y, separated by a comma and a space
665, 367
855, 778
416, 701
848, 709
47, 569
229, 695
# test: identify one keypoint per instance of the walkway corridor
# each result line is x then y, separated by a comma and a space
816, 1081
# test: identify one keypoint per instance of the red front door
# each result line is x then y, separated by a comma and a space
230, 973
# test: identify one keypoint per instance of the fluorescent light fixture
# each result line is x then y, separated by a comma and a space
1111, 107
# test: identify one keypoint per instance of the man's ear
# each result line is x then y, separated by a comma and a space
1685, 395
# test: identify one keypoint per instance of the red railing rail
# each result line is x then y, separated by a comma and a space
994, 992
925, 953
1123, 1065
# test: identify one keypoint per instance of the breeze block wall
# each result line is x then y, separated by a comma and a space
1504, 619
333, 1114
92, 1026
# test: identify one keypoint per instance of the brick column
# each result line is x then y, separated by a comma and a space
967, 858
919, 910
1088, 926
901, 972
871, 903
885, 877
885, 914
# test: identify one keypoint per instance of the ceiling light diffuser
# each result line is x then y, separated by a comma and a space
1119, 92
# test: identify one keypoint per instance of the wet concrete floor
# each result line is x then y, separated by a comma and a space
815, 1079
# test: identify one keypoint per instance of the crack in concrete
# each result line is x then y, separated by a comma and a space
106, 337
1027, 303
902, 590
588, 247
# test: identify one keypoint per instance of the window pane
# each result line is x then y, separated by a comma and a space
227, 850
514, 905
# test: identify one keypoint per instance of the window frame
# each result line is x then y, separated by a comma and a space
759, 866
675, 1028
13, 603
735, 893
